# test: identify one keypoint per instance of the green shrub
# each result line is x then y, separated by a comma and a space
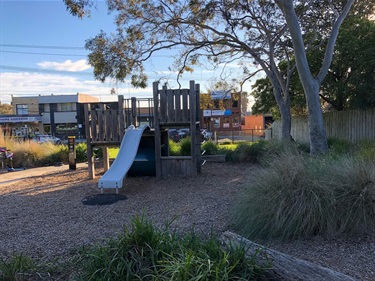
276, 148
147, 253
185, 145
174, 148
302, 196
81, 152
210, 147
247, 152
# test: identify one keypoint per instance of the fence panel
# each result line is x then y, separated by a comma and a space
353, 125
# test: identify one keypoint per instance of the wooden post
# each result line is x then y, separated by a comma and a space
157, 130
193, 129
90, 153
121, 116
134, 111
198, 132
102, 129
105, 159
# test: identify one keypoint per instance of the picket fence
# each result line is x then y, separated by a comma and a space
353, 125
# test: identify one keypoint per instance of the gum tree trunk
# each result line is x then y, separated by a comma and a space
317, 133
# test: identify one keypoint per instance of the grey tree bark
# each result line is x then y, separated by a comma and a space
311, 85
282, 266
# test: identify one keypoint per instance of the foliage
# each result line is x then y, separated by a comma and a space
174, 148
220, 33
18, 267
365, 150
147, 253
5, 109
350, 81
81, 152
29, 154
301, 196
247, 152
210, 147
185, 146
339, 146
3, 142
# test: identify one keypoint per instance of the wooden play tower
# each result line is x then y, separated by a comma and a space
177, 109
169, 109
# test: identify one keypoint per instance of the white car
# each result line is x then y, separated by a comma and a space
47, 138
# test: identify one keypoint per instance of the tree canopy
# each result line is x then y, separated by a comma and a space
350, 83
5, 109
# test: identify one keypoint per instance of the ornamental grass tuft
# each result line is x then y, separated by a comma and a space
298, 195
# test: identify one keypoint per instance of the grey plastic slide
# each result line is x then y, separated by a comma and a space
114, 177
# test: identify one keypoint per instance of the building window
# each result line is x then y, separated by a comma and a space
217, 122
235, 122
47, 128
67, 106
44, 107
226, 123
22, 109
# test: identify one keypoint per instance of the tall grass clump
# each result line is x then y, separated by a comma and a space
145, 252
18, 267
285, 200
31, 154
366, 150
354, 184
298, 195
2, 139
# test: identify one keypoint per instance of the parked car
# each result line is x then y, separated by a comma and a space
47, 138
207, 135
183, 133
174, 135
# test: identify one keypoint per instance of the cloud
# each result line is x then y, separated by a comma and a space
68, 65
34, 84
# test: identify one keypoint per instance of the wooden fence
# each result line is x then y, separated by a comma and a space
352, 125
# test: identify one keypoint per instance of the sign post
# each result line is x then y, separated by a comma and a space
72, 152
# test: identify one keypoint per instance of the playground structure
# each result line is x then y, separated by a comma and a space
144, 149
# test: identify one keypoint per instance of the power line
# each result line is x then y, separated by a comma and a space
28, 69
42, 47
48, 54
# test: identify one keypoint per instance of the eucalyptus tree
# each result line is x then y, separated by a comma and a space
255, 33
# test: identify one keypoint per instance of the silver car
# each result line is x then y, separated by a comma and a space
47, 138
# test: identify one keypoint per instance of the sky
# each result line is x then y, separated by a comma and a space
42, 52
